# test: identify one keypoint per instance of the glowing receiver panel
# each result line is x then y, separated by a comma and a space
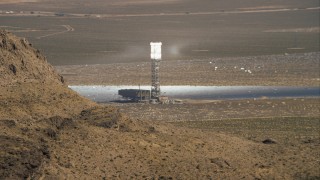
156, 50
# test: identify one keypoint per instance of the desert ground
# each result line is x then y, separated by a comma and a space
107, 42
15, 1
291, 119
268, 70
50, 132
79, 33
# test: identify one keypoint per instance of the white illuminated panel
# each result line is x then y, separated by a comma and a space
156, 50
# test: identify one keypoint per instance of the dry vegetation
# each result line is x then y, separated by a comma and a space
291, 124
287, 120
193, 110
284, 130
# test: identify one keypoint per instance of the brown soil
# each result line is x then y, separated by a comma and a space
49, 132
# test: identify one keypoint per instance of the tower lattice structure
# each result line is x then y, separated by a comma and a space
155, 80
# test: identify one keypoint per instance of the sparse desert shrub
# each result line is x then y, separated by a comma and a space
85, 112
61, 123
51, 133
107, 123
124, 128
8, 123
13, 69
269, 141
151, 129
164, 178
20, 159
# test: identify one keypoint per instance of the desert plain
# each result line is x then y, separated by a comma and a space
50, 132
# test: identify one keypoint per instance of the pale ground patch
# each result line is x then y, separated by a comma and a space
262, 7
16, 1
143, 2
301, 30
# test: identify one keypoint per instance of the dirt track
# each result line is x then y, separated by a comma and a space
68, 28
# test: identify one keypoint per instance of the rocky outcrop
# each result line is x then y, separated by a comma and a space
20, 62
30, 88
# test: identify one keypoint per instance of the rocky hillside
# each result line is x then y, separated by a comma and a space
21, 63
49, 132
29, 86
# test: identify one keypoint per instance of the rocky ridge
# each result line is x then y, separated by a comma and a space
29, 86
21, 63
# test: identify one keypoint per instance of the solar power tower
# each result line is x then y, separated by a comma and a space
155, 64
